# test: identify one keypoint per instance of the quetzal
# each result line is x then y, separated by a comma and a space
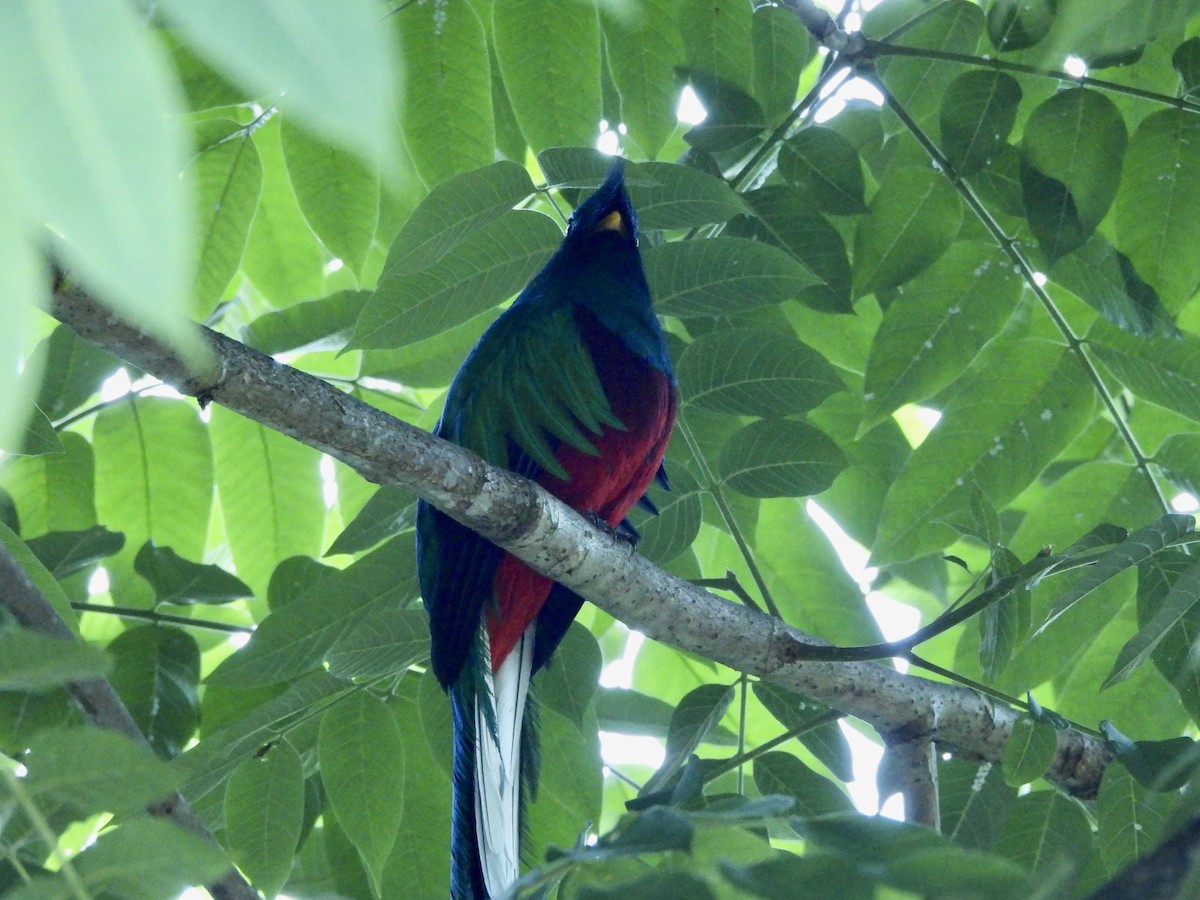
571, 387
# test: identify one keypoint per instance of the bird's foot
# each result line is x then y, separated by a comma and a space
622, 532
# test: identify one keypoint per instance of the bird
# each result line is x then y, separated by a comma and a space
573, 388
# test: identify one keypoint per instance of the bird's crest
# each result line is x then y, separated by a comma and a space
608, 209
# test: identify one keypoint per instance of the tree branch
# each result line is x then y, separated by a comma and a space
523, 519
102, 706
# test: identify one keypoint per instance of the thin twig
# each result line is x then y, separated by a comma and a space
150, 615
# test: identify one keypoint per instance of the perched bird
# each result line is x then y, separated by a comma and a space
571, 387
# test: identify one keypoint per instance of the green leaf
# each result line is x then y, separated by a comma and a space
643, 46
1131, 820
754, 372
227, 180
1186, 60
554, 85
780, 458
1017, 24
581, 167
1173, 657
776, 772
668, 195
448, 90
54, 492
696, 715
776, 878
974, 801
793, 710
733, 118
673, 530
283, 257
1105, 279
148, 859
389, 572
209, 762
1044, 830
651, 887
570, 784
1163, 371
1179, 457
420, 860
330, 67
716, 38
154, 472
452, 211
632, 712
913, 858
294, 639
1004, 625
1015, 413
72, 373
1138, 547
721, 276
1029, 750
915, 215
362, 768
383, 641
1114, 28
294, 578
919, 83
977, 115
825, 166
1179, 605
1071, 155
205, 88
324, 324
26, 713
655, 830
156, 670
568, 686
102, 145
24, 284
390, 510
36, 438
182, 582
64, 553
1158, 205
93, 770
783, 216
936, 327
489, 266
777, 35
34, 662
271, 496
264, 811
338, 194
1158, 765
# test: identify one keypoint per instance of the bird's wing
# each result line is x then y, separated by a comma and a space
528, 387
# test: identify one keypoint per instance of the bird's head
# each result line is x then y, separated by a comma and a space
607, 213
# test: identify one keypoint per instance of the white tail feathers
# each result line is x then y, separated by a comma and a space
498, 767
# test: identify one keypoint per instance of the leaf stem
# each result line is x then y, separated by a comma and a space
876, 49
742, 758
151, 615
714, 488
74, 882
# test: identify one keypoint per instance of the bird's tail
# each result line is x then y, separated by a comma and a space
485, 827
